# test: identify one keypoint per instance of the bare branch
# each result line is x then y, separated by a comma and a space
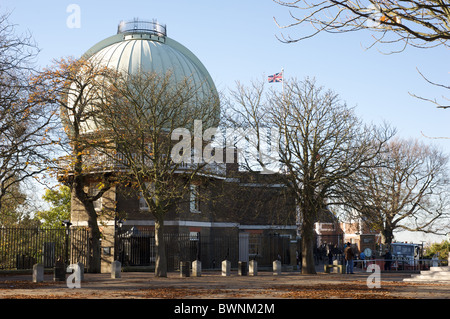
417, 23
408, 191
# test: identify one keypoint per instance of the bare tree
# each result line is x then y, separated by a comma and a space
69, 87
416, 23
147, 120
321, 144
24, 123
407, 190
396, 24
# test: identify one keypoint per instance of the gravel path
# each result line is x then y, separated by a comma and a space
211, 285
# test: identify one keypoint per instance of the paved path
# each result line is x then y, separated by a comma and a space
212, 285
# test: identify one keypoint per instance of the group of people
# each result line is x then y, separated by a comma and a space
326, 251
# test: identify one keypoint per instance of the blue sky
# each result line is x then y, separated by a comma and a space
236, 41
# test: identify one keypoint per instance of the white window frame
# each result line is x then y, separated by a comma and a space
142, 203
98, 204
194, 201
194, 235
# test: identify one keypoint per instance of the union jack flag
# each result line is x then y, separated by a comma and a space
277, 77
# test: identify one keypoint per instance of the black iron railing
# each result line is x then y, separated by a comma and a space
21, 248
137, 248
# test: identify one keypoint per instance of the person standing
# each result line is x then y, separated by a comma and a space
330, 254
362, 256
387, 260
349, 255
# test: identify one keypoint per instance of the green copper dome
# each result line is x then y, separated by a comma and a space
144, 46
141, 46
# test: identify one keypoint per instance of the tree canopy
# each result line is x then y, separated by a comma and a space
60, 202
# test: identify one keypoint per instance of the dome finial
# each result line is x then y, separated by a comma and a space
141, 26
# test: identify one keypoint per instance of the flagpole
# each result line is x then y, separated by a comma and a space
282, 81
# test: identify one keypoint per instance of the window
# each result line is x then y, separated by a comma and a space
93, 190
194, 235
254, 246
142, 203
194, 199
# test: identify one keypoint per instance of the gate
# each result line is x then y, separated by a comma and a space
138, 248
244, 247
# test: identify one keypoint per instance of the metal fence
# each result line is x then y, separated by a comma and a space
21, 248
400, 264
135, 248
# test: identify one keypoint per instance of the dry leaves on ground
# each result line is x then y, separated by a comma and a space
342, 291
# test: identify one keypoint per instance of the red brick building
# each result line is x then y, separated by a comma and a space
222, 201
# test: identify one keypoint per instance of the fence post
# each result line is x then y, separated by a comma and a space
226, 266
38, 273
253, 268
277, 267
242, 268
59, 271
196, 268
116, 268
184, 269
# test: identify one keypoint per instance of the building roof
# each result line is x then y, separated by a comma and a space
141, 46
146, 48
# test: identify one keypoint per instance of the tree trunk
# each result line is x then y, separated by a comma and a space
161, 260
94, 231
387, 235
308, 265
95, 249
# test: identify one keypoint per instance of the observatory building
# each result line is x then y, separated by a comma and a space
225, 204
